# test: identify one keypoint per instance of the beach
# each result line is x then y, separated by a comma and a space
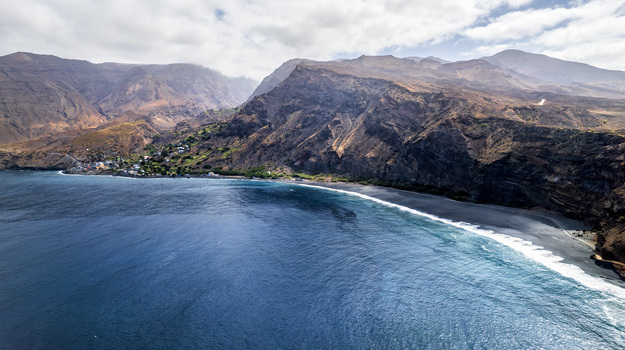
548, 238
557, 242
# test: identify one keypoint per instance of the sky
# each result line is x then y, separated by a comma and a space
253, 37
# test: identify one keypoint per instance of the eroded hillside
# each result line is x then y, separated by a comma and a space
46, 95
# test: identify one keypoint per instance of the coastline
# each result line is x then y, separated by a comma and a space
553, 237
547, 238
367, 252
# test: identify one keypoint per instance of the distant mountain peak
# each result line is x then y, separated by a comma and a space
556, 70
21, 56
364, 57
430, 58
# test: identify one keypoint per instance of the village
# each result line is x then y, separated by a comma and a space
157, 163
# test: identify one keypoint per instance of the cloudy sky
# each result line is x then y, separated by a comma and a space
253, 37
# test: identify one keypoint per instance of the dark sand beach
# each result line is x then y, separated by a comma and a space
549, 238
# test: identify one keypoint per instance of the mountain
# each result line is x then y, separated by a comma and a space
480, 72
486, 74
44, 95
320, 119
431, 58
277, 76
562, 72
375, 119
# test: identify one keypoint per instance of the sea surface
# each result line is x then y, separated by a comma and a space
96, 262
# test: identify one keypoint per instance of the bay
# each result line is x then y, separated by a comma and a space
110, 262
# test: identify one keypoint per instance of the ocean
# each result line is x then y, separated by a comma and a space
100, 262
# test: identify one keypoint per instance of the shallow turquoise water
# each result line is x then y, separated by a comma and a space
105, 262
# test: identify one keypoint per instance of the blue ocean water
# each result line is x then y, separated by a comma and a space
109, 262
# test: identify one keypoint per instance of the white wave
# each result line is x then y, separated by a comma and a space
527, 248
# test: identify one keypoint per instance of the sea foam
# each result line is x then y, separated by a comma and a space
528, 249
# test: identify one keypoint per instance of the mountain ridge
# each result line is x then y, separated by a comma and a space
553, 69
45, 94
605, 84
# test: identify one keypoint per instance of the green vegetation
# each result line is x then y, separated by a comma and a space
150, 148
191, 141
205, 133
255, 172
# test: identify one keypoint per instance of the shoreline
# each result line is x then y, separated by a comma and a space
545, 237
547, 233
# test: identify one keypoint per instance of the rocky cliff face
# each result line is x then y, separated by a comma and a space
45, 95
491, 147
277, 76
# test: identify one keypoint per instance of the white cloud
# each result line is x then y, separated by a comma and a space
592, 32
519, 25
488, 50
252, 37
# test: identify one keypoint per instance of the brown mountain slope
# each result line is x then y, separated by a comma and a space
277, 76
555, 70
36, 99
44, 95
572, 77
64, 150
193, 88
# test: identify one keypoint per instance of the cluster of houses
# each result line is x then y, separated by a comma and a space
81, 167
119, 165
114, 165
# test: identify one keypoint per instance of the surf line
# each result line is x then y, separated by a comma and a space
528, 249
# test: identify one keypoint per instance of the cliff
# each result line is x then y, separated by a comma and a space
494, 144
